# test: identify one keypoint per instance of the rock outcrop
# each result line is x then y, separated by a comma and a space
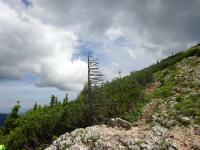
118, 122
102, 137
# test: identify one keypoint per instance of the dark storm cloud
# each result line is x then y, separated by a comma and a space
33, 38
168, 21
171, 24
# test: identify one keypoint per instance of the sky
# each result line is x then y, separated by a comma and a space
44, 43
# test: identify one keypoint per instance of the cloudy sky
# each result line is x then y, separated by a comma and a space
44, 43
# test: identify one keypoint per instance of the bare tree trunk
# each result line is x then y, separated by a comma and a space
95, 79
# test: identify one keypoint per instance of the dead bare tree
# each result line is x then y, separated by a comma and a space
95, 79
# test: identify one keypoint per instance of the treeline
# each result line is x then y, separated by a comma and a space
40, 124
122, 97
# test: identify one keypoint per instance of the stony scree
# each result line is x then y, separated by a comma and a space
103, 137
118, 122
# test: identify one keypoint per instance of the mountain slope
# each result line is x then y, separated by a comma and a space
170, 120
126, 97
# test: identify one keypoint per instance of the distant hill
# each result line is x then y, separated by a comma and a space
2, 119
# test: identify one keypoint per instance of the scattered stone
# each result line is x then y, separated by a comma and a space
172, 148
170, 124
197, 130
51, 148
134, 147
111, 122
185, 120
195, 146
145, 146
118, 122
123, 123
159, 131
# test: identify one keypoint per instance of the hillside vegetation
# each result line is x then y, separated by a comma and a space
125, 97
169, 121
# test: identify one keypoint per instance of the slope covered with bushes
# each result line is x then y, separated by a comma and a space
122, 97
170, 119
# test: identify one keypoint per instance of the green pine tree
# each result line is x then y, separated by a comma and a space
65, 100
12, 119
54, 100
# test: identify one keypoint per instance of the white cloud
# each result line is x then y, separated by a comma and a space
27, 45
42, 38
113, 33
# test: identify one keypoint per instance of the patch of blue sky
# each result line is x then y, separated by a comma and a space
122, 42
27, 3
30, 77
84, 48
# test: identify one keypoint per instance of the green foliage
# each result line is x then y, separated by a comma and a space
1, 134
190, 107
33, 125
40, 125
179, 98
164, 91
135, 113
13, 119
54, 137
170, 61
122, 95
65, 100
54, 100
35, 106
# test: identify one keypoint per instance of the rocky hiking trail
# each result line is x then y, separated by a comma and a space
102, 137
157, 129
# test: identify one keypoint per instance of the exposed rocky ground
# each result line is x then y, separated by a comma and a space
164, 125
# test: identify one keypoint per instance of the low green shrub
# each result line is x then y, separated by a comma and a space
179, 98
164, 91
189, 106
134, 114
